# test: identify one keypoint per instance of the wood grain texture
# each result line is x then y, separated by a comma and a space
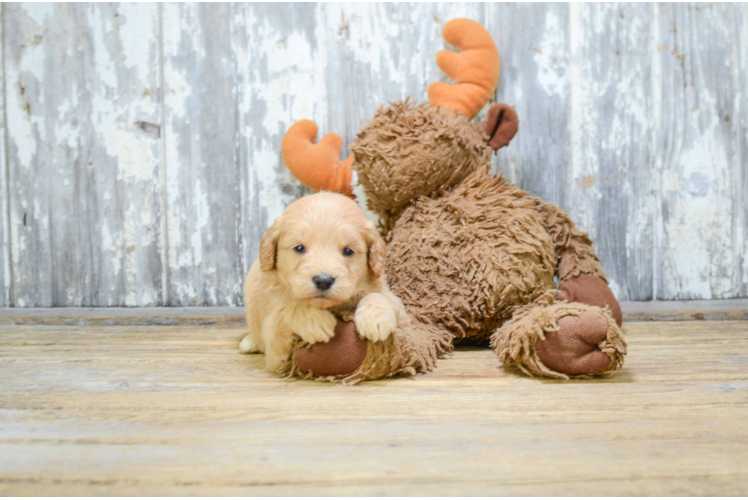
176, 410
82, 151
50, 257
697, 165
610, 184
740, 13
5, 268
142, 159
587, 148
235, 76
202, 172
278, 51
533, 41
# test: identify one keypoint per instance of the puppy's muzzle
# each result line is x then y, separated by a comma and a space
323, 282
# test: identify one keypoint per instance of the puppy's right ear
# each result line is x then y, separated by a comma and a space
269, 246
377, 250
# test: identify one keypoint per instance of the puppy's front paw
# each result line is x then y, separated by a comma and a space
248, 345
315, 325
375, 318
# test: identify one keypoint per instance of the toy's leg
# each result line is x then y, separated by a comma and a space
412, 348
561, 340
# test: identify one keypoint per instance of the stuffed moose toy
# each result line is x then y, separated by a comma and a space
472, 257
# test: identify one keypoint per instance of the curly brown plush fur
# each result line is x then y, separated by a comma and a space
473, 257
482, 253
441, 150
467, 252
516, 342
412, 348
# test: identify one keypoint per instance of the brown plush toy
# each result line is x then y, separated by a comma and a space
472, 257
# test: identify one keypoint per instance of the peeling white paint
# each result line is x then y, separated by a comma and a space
40, 13
5, 246
698, 213
19, 129
624, 118
700, 221
92, 145
136, 36
552, 72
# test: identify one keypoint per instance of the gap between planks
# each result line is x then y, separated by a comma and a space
710, 310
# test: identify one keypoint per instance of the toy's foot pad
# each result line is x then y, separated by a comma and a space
573, 349
342, 355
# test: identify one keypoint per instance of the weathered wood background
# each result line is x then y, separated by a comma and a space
140, 143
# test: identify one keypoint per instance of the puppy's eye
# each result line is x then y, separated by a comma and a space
300, 249
347, 252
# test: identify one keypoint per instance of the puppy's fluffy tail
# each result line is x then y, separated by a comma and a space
412, 348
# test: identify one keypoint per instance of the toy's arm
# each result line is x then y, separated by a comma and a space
573, 247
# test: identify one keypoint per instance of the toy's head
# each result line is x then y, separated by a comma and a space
409, 150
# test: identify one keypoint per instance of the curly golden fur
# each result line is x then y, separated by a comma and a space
322, 235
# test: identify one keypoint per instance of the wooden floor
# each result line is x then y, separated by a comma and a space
175, 410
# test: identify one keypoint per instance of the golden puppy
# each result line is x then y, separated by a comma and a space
321, 258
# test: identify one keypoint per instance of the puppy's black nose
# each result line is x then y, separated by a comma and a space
323, 281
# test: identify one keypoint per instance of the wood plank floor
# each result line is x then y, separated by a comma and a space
175, 410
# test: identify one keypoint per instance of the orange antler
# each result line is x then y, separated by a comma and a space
317, 166
475, 70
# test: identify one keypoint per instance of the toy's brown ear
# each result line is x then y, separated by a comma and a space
269, 246
500, 125
377, 251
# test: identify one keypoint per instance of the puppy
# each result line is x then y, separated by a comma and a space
321, 258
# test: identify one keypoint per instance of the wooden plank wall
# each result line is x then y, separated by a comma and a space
139, 144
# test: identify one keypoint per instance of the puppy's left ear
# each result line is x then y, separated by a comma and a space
269, 246
377, 251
